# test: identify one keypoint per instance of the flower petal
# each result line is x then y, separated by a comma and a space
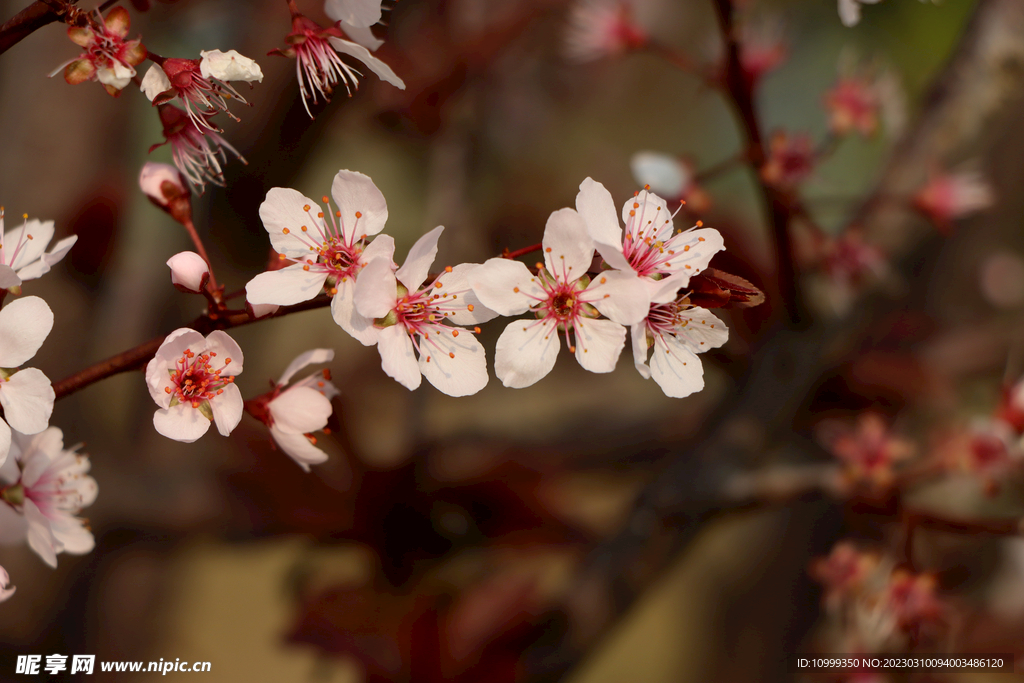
40, 537
701, 330
343, 310
54, 256
24, 325
456, 287
229, 66
525, 353
638, 336
72, 536
27, 398
666, 175
376, 290
155, 82
285, 287
568, 249
594, 203
378, 67
355, 193
677, 371
227, 349
651, 219
300, 410
355, 12
619, 295
158, 376
598, 344
299, 448
397, 358
312, 357
5, 442
285, 208
28, 242
417, 264
693, 250
227, 409
505, 286
363, 35
8, 278
454, 362
181, 423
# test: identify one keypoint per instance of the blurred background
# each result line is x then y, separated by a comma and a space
581, 529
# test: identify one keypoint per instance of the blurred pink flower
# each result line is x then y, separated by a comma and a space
602, 28
950, 196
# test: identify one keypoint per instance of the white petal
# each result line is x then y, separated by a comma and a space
343, 310
300, 410
285, 208
376, 290
620, 295
526, 351
313, 357
651, 219
181, 423
594, 203
24, 325
849, 12
417, 264
693, 250
47, 260
568, 249
285, 287
454, 362
354, 12
158, 370
638, 336
299, 448
40, 537
189, 271
598, 344
117, 77
6, 589
378, 67
27, 398
397, 357
456, 287
72, 536
665, 174
383, 246
700, 330
676, 370
8, 278
355, 193
506, 286
155, 82
29, 241
229, 66
363, 35
227, 409
667, 289
261, 310
5, 442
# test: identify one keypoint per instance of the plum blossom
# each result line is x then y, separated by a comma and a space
200, 83
23, 254
763, 47
328, 255
43, 487
6, 589
356, 17
563, 298
844, 571
192, 380
294, 412
602, 28
791, 159
952, 195
677, 331
670, 177
647, 245
868, 449
864, 97
199, 156
189, 272
409, 315
26, 395
108, 57
319, 67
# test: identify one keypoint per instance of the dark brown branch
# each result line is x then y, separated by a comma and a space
25, 22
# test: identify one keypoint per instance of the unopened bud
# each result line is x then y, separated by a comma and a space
165, 187
189, 272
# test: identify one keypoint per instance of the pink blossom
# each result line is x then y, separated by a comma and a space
949, 196
26, 395
108, 57
198, 155
165, 187
844, 571
868, 448
790, 160
763, 47
23, 253
602, 28
45, 487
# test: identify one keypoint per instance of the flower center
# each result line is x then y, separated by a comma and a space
195, 380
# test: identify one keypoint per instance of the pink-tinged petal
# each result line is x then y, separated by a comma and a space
619, 295
525, 353
5, 442
189, 271
285, 209
417, 264
40, 537
383, 246
48, 260
27, 398
181, 423
312, 357
298, 448
227, 409
72, 536
568, 249
6, 589
458, 287
378, 67
221, 343
454, 362
638, 337
397, 357
652, 217
285, 287
361, 13
599, 344
8, 278
24, 325
677, 371
354, 193
693, 250
229, 66
158, 370
594, 203
376, 290
667, 289
300, 410
363, 35
33, 238
701, 331
343, 310
506, 286
261, 310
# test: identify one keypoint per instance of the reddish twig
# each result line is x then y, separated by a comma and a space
521, 252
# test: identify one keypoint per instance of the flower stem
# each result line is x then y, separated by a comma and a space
212, 288
521, 252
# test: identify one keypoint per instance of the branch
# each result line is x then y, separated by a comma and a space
25, 22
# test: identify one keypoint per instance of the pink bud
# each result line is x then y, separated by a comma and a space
166, 188
189, 272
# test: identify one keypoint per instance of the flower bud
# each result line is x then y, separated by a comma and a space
165, 187
189, 272
229, 66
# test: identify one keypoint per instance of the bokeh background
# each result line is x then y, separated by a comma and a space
511, 535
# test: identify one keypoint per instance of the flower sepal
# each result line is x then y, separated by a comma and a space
14, 495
